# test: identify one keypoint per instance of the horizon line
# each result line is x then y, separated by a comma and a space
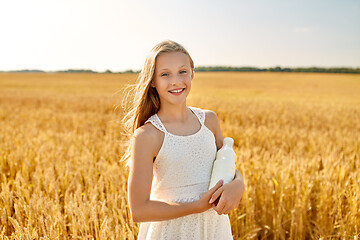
200, 66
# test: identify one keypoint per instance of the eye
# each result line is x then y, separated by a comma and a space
164, 74
183, 71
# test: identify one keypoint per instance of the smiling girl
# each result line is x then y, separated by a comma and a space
171, 153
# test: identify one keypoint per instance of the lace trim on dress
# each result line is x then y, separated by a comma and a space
155, 120
156, 123
199, 113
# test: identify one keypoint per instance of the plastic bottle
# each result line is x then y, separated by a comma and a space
224, 165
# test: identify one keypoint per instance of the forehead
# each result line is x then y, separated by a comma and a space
171, 60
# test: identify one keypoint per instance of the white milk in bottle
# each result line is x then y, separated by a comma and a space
224, 165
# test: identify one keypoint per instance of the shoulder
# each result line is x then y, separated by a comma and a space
210, 115
148, 138
211, 119
147, 133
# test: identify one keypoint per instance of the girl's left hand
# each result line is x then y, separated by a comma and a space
230, 196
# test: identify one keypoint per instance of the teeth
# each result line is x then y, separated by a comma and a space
177, 91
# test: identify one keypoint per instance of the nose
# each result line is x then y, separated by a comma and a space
175, 80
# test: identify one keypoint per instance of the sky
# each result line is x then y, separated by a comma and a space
117, 35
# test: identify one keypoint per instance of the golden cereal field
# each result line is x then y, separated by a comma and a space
297, 138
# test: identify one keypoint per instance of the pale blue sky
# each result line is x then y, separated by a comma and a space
117, 35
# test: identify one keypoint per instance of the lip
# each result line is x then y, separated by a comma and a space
178, 93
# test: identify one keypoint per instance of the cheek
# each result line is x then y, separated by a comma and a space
186, 78
158, 83
164, 84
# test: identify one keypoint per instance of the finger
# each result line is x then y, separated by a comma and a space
216, 201
218, 211
222, 211
217, 185
220, 207
216, 195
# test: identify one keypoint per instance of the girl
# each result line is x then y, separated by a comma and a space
176, 145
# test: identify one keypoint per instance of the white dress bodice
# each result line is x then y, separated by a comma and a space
183, 164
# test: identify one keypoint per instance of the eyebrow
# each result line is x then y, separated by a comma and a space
168, 69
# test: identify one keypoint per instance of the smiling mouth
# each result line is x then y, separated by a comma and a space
177, 91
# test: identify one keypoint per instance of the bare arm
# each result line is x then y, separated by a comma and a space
139, 185
230, 194
238, 177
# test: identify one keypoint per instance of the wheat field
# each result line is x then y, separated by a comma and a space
297, 138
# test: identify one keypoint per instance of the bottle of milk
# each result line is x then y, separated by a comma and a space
224, 165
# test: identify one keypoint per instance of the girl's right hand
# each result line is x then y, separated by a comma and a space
203, 203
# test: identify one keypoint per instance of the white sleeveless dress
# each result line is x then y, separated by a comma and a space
181, 173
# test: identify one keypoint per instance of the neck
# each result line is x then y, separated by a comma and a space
173, 113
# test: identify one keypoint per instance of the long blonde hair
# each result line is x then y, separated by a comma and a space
145, 100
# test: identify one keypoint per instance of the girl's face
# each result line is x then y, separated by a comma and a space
172, 77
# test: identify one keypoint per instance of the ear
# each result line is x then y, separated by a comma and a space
192, 73
152, 84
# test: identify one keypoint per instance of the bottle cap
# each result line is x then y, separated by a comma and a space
228, 141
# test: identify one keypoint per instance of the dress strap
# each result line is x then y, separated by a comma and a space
199, 113
155, 120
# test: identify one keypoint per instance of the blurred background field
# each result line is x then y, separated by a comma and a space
296, 137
